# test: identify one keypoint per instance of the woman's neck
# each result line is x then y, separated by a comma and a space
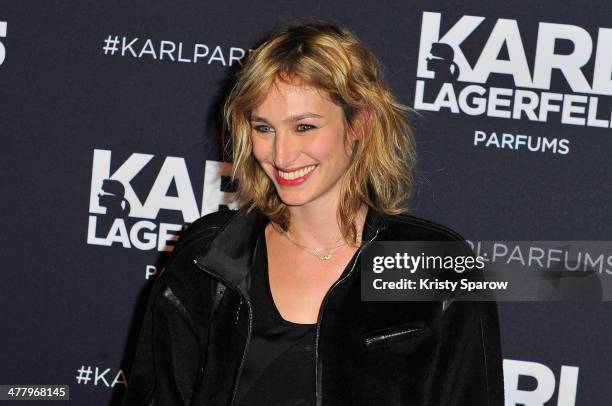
318, 226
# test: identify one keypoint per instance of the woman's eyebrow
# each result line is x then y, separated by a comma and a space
296, 117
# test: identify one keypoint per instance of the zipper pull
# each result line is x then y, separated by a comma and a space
238, 312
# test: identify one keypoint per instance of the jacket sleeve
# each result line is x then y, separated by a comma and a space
165, 365
467, 365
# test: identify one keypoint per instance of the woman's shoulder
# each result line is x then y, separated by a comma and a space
201, 230
409, 227
179, 266
209, 222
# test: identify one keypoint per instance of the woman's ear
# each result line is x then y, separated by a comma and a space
361, 125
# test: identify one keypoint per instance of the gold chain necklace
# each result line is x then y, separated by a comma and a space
316, 251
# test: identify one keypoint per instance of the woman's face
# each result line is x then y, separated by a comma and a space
298, 139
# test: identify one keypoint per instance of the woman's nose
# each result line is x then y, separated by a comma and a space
286, 149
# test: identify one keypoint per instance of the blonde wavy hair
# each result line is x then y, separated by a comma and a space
331, 59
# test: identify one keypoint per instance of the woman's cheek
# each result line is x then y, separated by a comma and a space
258, 149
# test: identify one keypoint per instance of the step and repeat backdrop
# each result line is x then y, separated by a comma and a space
111, 144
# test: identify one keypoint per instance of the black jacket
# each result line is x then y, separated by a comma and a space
199, 320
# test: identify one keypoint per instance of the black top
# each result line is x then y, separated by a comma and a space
280, 365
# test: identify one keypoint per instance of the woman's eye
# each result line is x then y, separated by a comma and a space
305, 127
262, 128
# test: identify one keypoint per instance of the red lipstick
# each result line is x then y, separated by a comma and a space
296, 181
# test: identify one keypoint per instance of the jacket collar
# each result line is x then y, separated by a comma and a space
229, 254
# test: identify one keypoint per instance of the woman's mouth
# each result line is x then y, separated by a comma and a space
295, 177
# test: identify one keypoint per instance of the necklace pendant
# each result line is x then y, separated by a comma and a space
325, 257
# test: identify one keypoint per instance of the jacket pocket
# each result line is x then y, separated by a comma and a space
393, 334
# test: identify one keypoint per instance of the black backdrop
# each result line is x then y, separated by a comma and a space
130, 91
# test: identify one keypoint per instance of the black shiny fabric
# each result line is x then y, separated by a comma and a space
199, 321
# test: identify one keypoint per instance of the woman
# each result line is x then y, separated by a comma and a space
262, 305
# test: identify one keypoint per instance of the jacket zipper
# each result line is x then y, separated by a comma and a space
371, 340
320, 318
246, 345
318, 326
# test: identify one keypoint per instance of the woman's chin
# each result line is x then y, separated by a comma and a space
293, 199
294, 202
